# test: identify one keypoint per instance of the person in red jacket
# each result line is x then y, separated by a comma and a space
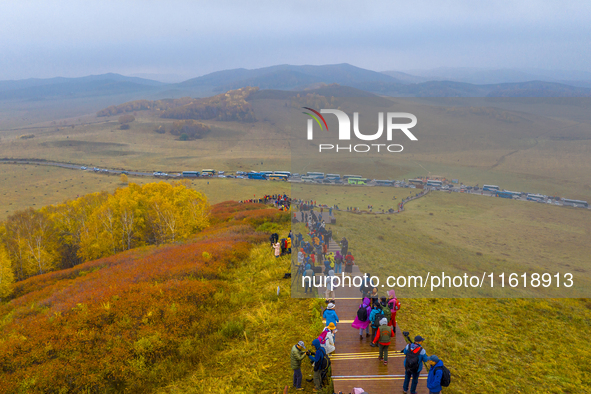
394, 306
383, 338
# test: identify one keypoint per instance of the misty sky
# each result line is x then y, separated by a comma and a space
183, 39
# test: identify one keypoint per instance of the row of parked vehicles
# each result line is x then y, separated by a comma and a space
320, 177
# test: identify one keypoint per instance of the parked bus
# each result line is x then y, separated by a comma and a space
575, 203
384, 182
207, 172
308, 179
315, 174
256, 175
434, 183
490, 188
514, 194
536, 197
415, 181
503, 194
345, 177
277, 177
356, 181
333, 176
190, 174
283, 173
265, 172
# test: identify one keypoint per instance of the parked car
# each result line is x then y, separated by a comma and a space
83, 168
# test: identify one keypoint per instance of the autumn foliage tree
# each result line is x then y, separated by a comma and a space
99, 225
192, 129
6, 274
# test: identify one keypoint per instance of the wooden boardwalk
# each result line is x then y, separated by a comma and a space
355, 363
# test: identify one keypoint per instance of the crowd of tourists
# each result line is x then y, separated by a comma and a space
375, 312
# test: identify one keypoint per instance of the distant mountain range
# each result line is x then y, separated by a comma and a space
444, 82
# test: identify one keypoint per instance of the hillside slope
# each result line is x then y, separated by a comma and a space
142, 319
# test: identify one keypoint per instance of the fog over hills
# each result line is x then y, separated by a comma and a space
441, 82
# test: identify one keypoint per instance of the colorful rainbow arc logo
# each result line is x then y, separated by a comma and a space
315, 118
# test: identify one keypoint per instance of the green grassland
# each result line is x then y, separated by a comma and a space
500, 345
457, 233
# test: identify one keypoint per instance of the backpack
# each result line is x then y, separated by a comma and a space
322, 337
376, 319
387, 312
394, 305
412, 359
445, 377
362, 313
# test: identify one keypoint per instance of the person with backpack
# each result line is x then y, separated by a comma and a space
319, 358
374, 317
362, 319
394, 306
328, 344
298, 353
383, 338
338, 262
413, 364
439, 376
348, 262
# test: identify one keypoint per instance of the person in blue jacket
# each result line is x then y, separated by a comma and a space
415, 354
330, 315
435, 374
317, 359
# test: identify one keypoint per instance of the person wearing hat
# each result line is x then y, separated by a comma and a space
330, 314
435, 375
413, 363
383, 337
328, 344
298, 353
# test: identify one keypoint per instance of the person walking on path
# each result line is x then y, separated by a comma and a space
394, 306
329, 344
329, 293
413, 364
375, 317
383, 338
362, 319
338, 262
330, 314
308, 273
298, 353
344, 246
435, 375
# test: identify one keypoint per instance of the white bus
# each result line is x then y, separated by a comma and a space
536, 197
282, 173
490, 188
315, 174
575, 203
333, 176
434, 183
